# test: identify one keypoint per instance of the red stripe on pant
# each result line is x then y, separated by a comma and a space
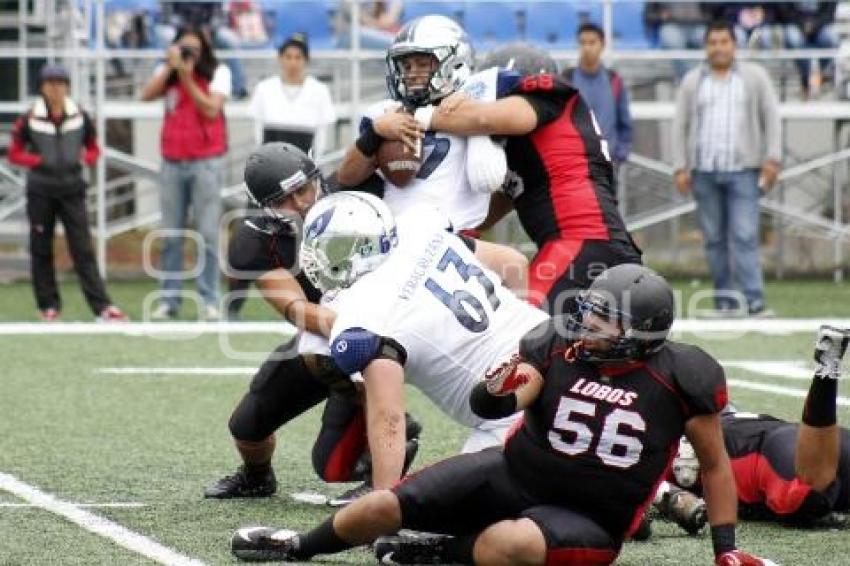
552, 261
347, 451
580, 556
758, 482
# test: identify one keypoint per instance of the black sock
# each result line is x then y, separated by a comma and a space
819, 410
459, 549
257, 470
321, 540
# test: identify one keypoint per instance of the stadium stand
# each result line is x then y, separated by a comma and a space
629, 29
553, 25
492, 23
313, 18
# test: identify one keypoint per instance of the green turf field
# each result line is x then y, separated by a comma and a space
89, 437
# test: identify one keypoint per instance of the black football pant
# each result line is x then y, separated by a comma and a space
43, 211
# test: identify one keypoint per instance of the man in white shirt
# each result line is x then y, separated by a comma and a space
293, 107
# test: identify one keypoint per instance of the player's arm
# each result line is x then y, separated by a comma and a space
500, 205
359, 161
508, 263
385, 424
510, 116
283, 292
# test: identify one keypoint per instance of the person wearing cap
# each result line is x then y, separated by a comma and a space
53, 140
194, 86
293, 106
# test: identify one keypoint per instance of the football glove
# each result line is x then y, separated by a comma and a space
740, 558
504, 379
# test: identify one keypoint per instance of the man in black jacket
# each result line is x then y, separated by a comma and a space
53, 140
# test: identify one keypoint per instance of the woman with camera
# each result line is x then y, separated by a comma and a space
193, 139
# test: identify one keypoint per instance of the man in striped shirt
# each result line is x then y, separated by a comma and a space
727, 149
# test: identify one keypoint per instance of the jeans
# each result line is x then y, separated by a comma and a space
681, 36
728, 210
794, 39
197, 183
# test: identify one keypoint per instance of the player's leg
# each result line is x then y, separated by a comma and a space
818, 437
490, 433
282, 389
546, 534
549, 271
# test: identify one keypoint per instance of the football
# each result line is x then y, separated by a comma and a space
398, 163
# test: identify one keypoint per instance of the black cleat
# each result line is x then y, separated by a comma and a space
644, 530
411, 547
243, 484
683, 508
263, 544
830, 346
350, 495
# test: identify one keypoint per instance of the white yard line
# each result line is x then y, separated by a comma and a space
115, 505
780, 390
690, 325
783, 369
240, 371
96, 524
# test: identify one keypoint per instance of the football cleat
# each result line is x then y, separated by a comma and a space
243, 484
49, 315
350, 495
263, 544
683, 508
410, 547
644, 530
830, 346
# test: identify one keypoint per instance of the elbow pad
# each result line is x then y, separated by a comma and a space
489, 406
486, 164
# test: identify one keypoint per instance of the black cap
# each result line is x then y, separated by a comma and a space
54, 72
298, 40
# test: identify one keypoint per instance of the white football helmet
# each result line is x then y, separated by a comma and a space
435, 35
346, 235
686, 465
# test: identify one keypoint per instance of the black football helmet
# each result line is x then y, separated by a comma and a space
275, 170
637, 298
524, 58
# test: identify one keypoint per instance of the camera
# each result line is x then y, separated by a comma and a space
187, 53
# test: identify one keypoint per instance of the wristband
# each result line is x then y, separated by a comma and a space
489, 406
723, 538
369, 141
423, 116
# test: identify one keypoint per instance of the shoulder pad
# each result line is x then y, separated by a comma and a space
699, 377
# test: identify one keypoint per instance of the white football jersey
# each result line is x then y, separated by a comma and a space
451, 315
441, 181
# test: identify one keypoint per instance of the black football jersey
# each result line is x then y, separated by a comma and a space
261, 244
599, 440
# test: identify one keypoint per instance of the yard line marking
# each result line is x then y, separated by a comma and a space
690, 325
96, 524
780, 390
178, 371
116, 505
788, 369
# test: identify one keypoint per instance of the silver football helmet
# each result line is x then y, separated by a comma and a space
447, 42
686, 465
346, 235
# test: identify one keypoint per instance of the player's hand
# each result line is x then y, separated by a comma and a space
399, 125
504, 378
682, 180
740, 558
452, 102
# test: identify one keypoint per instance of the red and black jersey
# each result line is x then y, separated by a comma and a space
599, 441
762, 450
565, 185
261, 244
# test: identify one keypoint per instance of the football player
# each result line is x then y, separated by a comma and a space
285, 183
605, 398
789, 472
561, 182
430, 58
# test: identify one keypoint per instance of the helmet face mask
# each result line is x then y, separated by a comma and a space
346, 236
440, 38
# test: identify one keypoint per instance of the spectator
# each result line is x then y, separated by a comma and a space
379, 23
208, 17
293, 106
603, 90
680, 25
754, 23
52, 140
809, 25
726, 146
194, 137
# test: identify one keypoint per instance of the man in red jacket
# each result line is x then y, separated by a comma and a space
53, 140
